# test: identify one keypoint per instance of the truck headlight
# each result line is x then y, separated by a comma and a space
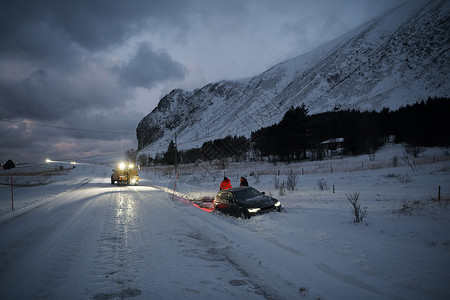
253, 210
277, 204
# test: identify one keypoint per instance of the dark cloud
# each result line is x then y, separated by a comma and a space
52, 95
53, 45
149, 67
56, 31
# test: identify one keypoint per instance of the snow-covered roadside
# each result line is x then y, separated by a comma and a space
401, 249
32, 190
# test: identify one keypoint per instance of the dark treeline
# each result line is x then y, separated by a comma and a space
423, 124
235, 147
300, 136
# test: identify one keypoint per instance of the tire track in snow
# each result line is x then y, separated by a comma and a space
117, 255
347, 279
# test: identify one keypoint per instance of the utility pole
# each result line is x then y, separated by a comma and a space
176, 152
12, 193
176, 167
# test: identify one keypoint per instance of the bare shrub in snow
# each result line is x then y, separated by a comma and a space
131, 155
256, 177
405, 178
282, 189
276, 182
407, 159
391, 175
408, 207
413, 150
357, 211
303, 290
322, 184
291, 181
401, 178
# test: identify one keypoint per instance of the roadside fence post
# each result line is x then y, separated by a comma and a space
175, 186
439, 193
12, 193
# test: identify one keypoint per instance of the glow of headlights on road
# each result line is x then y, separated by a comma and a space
278, 204
253, 210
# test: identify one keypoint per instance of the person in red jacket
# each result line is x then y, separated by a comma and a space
225, 184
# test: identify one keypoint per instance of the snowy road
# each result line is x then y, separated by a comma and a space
80, 237
105, 242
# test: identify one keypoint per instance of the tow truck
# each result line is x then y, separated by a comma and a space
125, 174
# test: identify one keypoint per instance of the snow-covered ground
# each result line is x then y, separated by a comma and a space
73, 235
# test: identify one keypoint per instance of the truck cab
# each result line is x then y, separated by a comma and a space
125, 174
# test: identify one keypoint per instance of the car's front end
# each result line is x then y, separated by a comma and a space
260, 205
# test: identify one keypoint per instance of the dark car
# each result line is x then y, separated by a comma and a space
245, 202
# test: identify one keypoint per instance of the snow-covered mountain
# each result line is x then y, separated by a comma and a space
394, 60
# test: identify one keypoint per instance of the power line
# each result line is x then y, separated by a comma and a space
67, 128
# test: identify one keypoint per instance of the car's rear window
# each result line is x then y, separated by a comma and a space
246, 194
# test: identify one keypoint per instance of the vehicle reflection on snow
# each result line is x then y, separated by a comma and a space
139, 188
125, 221
126, 208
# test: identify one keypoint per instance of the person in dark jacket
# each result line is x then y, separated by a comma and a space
244, 181
225, 184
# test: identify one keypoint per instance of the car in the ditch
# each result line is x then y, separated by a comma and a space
244, 202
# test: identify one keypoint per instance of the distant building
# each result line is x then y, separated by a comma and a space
332, 146
8, 165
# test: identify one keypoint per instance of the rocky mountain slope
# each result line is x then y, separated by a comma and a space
394, 60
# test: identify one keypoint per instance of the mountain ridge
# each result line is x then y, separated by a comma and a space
391, 61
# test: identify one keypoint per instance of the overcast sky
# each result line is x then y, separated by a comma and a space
103, 65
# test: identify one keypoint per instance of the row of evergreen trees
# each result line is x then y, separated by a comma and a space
299, 135
235, 147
